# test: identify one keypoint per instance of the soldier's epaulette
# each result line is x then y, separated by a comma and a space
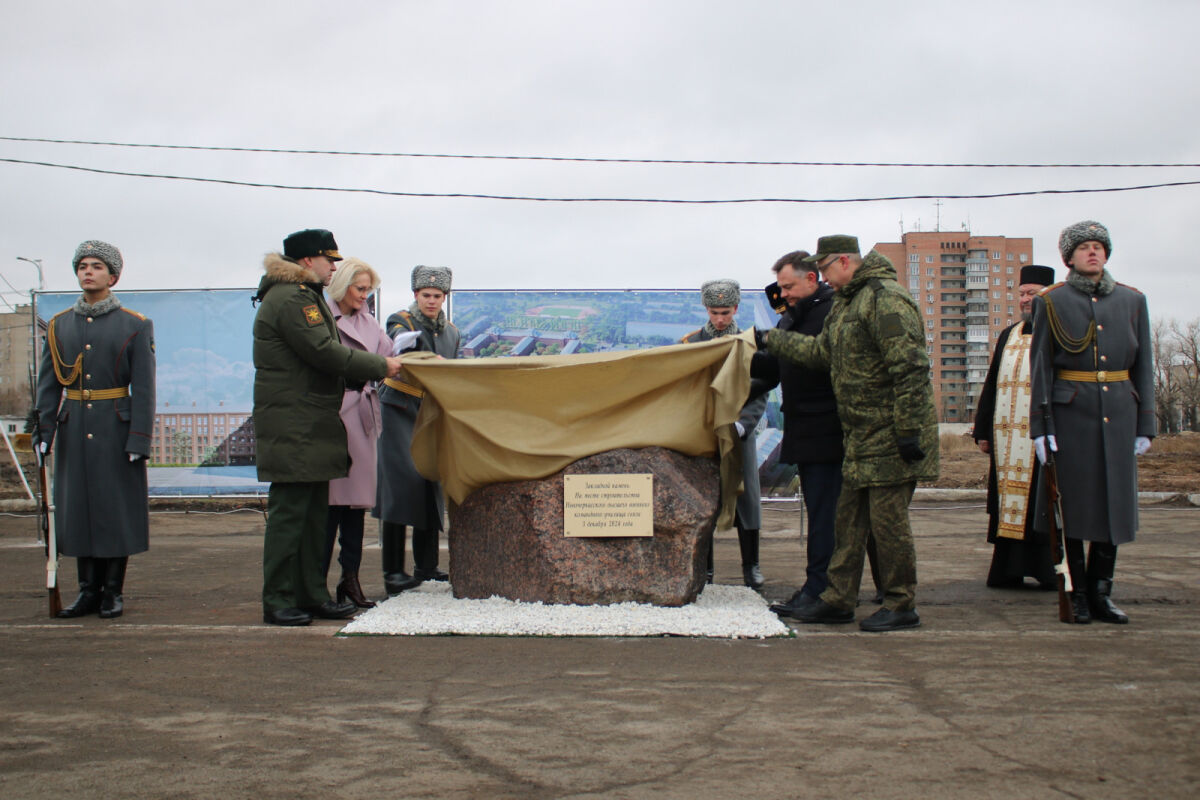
137, 314
1127, 286
405, 321
1052, 286
59, 314
688, 339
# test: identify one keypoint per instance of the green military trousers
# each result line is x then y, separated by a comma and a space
883, 512
294, 546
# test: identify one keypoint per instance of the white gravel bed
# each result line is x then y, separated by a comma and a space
728, 612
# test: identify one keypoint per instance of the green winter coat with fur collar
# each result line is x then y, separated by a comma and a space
300, 373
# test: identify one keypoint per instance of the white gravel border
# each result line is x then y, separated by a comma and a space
727, 612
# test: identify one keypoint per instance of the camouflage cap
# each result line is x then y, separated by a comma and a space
94, 248
424, 277
1087, 231
721, 293
836, 244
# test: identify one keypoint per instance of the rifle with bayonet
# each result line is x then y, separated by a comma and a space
45, 502
1062, 572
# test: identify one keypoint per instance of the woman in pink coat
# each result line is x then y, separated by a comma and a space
350, 497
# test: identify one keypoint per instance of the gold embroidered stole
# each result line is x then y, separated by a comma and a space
1010, 435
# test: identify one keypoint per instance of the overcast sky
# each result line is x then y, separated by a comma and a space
1014, 82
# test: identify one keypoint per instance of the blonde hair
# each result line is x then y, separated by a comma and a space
346, 272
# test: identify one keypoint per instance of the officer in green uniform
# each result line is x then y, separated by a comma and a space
873, 345
301, 370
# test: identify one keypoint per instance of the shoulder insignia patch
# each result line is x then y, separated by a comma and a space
312, 315
134, 313
890, 325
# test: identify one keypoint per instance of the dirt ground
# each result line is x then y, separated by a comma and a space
189, 695
1172, 465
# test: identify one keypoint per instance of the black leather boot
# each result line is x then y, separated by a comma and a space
348, 588
1102, 562
1079, 605
391, 540
748, 543
425, 555
1101, 606
88, 601
112, 604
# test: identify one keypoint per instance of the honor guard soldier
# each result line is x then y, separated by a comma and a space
300, 374
404, 497
95, 406
1093, 405
721, 299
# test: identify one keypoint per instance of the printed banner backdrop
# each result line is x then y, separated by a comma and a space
203, 437
520, 323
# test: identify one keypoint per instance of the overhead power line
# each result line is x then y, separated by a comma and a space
593, 160
536, 199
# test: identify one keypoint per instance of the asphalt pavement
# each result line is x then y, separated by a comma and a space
189, 695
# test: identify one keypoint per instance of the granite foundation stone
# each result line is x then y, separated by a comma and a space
507, 539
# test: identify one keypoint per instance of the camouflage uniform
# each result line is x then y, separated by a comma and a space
873, 345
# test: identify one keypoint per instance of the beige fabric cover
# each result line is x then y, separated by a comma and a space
490, 420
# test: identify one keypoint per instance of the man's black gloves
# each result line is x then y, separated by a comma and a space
910, 448
760, 338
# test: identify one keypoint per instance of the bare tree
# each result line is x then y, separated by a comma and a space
1166, 391
1187, 371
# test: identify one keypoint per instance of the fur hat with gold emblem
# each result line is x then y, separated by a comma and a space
722, 293
431, 278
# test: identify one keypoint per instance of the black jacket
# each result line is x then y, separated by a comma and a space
811, 430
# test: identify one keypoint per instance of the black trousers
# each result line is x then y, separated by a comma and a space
350, 521
821, 484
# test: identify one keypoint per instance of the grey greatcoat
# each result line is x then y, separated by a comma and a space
1094, 423
101, 509
404, 496
749, 504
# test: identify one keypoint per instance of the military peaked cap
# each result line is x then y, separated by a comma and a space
311, 242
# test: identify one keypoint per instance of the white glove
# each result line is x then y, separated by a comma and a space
1039, 447
1141, 445
135, 457
405, 341
44, 448
741, 430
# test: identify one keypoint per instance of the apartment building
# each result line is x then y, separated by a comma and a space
16, 355
966, 288
188, 437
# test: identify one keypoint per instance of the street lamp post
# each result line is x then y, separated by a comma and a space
37, 262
